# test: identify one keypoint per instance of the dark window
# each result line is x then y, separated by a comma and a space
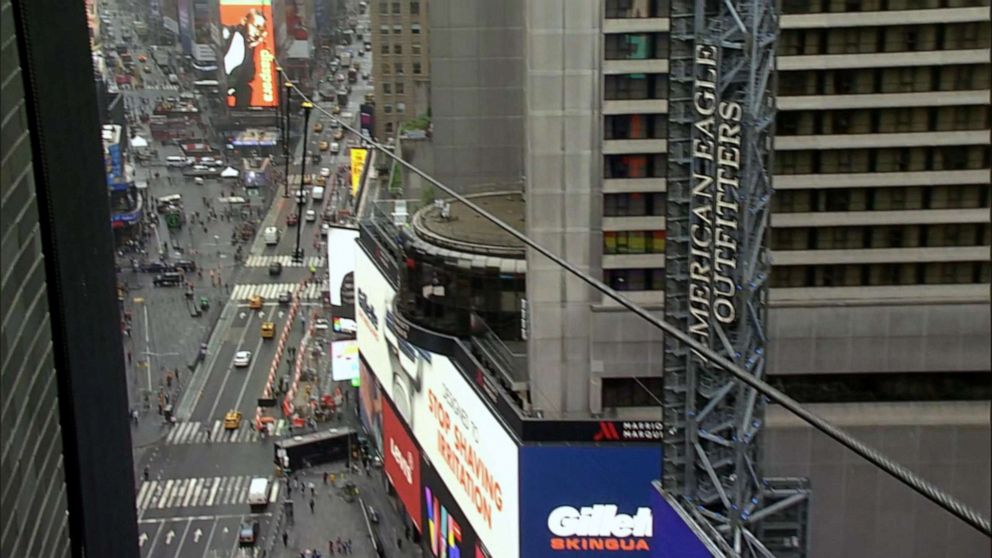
631, 392
874, 387
635, 166
636, 46
636, 126
648, 279
414, 8
634, 204
623, 9
636, 86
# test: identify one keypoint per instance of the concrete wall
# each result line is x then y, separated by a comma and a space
860, 512
563, 195
477, 97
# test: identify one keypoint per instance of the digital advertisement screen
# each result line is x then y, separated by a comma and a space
344, 359
341, 249
370, 403
357, 164
401, 461
248, 53
446, 532
601, 507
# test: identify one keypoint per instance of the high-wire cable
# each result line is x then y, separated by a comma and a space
897, 471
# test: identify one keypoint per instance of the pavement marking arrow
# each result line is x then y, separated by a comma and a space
169, 536
261, 314
225, 530
197, 534
142, 540
242, 315
281, 314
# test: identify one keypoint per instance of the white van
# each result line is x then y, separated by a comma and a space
258, 493
318, 193
176, 161
271, 235
335, 148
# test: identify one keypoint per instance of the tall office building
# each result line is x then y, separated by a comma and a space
66, 461
401, 74
35, 512
879, 307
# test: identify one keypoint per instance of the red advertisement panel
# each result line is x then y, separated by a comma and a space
402, 460
248, 53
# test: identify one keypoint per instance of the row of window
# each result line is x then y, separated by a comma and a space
397, 48
885, 236
635, 126
855, 275
860, 81
388, 108
631, 392
389, 88
626, 87
633, 242
650, 165
634, 204
969, 157
895, 38
397, 68
396, 8
882, 121
628, 9
931, 273
881, 199
839, 6
397, 29
636, 46
635, 279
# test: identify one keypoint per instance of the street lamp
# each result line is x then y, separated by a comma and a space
285, 133
301, 195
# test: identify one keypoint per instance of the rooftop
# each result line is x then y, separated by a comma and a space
461, 228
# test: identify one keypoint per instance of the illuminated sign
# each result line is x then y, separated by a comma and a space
248, 53
357, 164
599, 527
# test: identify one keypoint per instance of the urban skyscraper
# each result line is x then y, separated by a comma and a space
66, 459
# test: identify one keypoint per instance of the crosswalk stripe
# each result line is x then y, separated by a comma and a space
195, 492
271, 291
165, 494
274, 495
194, 432
286, 261
215, 433
213, 491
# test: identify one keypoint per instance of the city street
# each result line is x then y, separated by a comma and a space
193, 475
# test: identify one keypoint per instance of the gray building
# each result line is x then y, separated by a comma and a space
879, 310
35, 518
65, 457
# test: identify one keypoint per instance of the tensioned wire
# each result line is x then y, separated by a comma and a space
897, 471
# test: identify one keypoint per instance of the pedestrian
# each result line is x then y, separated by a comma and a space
340, 546
129, 358
348, 545
311, 505
145, 473
325, 477
160, 407
285, 539
313, 490
399, 543
330, 547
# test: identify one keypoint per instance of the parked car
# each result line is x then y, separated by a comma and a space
157, 267
168, 279
188, 266
242, 359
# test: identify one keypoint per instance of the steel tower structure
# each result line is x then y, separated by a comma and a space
720, 144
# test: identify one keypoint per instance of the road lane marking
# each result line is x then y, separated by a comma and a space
251, 369
182, 538
230, 366
165, 494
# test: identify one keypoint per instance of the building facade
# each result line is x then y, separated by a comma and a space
35, 510
401, 75
66, 450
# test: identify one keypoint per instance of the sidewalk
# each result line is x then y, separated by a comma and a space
334, 517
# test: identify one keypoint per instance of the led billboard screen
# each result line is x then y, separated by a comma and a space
401, 461
588, 500
344, 360
248, 53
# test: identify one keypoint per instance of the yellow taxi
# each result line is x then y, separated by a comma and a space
268, 330
323, 146
232, 420
318, 127
307, 179
336, 109
255, 302
321, 180
338, 134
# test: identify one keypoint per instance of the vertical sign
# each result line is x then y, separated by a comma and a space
357, 164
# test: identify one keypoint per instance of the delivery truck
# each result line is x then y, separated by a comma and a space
258, 493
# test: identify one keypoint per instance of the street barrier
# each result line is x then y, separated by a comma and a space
280, 348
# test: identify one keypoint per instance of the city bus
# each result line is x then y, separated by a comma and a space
308, 450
